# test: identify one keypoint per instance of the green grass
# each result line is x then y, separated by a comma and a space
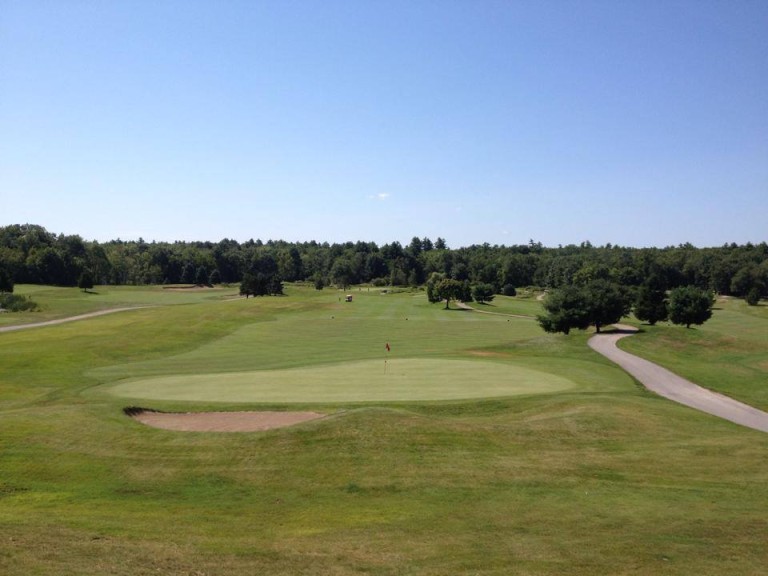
363, 381
517, 305
62, 302
601, 478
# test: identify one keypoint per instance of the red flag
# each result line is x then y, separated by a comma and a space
387, 346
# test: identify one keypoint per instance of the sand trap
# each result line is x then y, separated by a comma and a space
223, 421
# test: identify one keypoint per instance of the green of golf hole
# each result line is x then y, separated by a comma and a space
364, 381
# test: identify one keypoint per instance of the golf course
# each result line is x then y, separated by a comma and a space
441, 441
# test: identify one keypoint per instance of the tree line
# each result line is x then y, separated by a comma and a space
31, 254
600, 302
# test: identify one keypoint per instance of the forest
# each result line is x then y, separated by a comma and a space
30, 254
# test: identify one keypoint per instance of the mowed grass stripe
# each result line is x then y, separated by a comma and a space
366, 381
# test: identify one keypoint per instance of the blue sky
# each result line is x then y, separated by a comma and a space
634, 123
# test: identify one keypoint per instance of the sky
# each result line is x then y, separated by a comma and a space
641, 123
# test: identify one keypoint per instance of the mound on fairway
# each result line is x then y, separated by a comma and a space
363, 381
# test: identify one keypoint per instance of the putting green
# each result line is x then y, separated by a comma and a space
403, 380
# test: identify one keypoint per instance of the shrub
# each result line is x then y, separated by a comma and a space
17, 303
508, 290
753, 297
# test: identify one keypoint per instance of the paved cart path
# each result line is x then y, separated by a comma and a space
68, 319
673, 387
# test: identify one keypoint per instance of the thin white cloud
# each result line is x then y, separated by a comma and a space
382, 196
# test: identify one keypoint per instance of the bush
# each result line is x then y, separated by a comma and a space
753, 297
16, 303
482, 292
508, 290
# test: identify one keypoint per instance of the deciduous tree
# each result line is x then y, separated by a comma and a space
432, 282
449, 289
690, 305
753, 297
482, 292
651, 304
85, 282
201, 276
6, 282
566, 308
187, 274
607, 302
598, 303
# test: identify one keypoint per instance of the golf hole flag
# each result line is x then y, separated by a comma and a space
387, 345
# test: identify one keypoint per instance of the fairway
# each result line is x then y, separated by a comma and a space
370, 380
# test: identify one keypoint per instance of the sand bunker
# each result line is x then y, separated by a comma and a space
221, 421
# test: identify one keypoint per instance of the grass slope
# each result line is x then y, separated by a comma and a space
603, 478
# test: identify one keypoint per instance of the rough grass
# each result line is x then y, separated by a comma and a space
604, 478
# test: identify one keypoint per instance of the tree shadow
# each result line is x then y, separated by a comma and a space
615, 330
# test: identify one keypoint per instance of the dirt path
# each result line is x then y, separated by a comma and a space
68, 319
673, 387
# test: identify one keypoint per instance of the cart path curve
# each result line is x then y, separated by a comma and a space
671, 386
69, 319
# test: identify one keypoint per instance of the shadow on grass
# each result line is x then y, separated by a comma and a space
615, 330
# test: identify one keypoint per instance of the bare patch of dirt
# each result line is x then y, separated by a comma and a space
221, 421
488, 354
194, 288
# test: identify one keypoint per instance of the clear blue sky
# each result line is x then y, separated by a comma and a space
641, 123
